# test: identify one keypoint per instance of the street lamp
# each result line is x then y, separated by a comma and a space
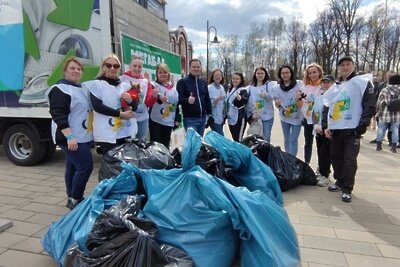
214, 41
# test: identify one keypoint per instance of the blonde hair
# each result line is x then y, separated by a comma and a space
111, 56
163, 67
306, 79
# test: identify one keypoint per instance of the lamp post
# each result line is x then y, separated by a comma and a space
214, 41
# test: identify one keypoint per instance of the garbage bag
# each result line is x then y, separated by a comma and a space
289, 170
268, 238
76, 225
207, 158
176, 257
248, 170
191, 213
143, 155
119, 238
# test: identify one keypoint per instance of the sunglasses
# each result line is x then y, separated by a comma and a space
114, 66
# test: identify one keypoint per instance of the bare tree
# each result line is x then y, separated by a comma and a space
297, 42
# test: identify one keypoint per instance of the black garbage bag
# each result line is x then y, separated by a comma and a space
176, 257
119, 238
143, 155
208, 158
289, 170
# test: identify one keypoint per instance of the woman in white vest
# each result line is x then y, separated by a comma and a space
312, 89
71, 129
260, 106
147, 96
236, 100
164, 115
110, 124
217, 95
288, 96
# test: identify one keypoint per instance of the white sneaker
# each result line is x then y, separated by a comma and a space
323, 181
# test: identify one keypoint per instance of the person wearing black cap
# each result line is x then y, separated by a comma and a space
323, 143
387, 114
348, 109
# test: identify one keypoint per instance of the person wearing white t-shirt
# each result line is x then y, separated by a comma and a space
287, 95
217, 94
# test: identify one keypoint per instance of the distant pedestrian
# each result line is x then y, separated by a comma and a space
387, 116
349, 107
217, 94
288, 99
71, 127
194, 98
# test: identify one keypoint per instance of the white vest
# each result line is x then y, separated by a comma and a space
308, 102
165, 113
233, 111
262, 106
218, 110
344, 102
289, 112
80, 118
142, 111
106, 128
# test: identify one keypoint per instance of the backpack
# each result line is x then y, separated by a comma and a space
394, 103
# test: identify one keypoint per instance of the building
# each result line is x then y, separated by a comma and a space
180, 45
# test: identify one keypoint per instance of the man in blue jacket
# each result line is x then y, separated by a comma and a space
194, 98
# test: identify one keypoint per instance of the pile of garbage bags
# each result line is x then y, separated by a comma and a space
289, 170
202, 220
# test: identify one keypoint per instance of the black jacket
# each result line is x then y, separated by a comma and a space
199, 90
367, 103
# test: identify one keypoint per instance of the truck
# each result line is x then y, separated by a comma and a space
37, 36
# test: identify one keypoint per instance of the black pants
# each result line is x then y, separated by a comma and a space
345, 146
323, 152
160, 133
238, 129
308, 141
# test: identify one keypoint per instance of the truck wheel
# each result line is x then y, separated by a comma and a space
21, 145
50, 148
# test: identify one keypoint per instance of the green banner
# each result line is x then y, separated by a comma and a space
150, 54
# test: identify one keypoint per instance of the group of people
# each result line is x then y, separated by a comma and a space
108, 110
113, 108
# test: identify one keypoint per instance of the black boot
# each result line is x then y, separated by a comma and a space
393, 149
378, 146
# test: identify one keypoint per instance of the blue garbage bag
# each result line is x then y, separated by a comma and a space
76, 225
190, 210
270, 239
247, 168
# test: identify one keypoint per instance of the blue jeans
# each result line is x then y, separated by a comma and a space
267, 128
218, 128
394, 128
198, 124
291, 136
78, 167
143, 128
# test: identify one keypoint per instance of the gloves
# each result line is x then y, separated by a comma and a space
210, 121
361, 129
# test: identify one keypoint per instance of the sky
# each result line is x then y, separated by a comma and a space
235, 16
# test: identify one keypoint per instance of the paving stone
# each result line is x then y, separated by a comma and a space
314, 230
14, 258
46, 208
334, 223
42, 218
389, 251
31, 244
17, 214
312, 264
6, 207
25, 228
48, 200
368, 237
330, 258
12, 200
11, 185
355, 260
14, 192
9, 239
41, 233
382, 228
2, 250
340, 245
5, 224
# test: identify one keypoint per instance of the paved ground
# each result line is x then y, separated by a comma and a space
365, 232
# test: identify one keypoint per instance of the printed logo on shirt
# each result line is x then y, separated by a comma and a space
260, 104
339, 107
